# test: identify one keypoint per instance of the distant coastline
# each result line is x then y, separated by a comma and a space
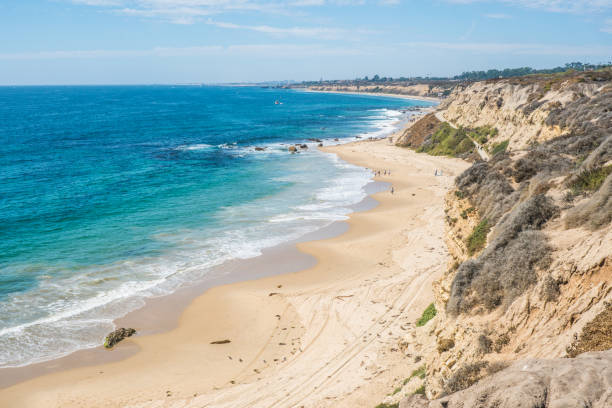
390, 95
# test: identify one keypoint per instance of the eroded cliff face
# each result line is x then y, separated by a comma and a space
540, 285
520, 108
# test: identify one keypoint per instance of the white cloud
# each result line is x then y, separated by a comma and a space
190, 11
517, 48
255, 50
309, 32
557, 6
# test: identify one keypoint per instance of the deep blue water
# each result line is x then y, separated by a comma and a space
111, 194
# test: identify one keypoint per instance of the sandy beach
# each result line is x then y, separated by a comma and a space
390, 95
324, 336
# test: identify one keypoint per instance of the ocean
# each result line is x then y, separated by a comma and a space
113, 194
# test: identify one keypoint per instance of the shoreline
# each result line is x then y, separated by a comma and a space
162, 313
387, 95
221, 274
263, 306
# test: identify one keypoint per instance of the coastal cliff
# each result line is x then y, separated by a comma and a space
415, 89
530, 237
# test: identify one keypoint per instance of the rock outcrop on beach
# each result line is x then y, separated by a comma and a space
118, 335
585, 381
530, 238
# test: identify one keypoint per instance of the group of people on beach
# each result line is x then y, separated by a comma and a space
386, 172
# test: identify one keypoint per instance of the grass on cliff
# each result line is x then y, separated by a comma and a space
478, 238
447, 141
383, 405
428, 314
500, 147
483, 134
420, 372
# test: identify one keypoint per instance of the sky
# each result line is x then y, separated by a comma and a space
218, 41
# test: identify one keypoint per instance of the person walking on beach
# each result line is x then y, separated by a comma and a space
392, 190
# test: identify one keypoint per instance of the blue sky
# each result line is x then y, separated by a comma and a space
211, 41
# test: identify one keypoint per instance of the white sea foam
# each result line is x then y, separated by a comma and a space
80, 307
198, 146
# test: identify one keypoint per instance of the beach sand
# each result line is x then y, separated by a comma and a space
387, 95
324, 336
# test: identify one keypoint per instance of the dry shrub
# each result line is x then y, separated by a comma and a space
485, 344
497, 366
594, 213
598, 157
596, 335
541, 159
507, 267
488, 190
445, 345
465, 376
501, 341
531, 214
550, 289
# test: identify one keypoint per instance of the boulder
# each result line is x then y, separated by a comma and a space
259, 149
584, 381
292, 149
117, 335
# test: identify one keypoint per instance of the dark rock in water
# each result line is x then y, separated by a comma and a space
320, 144
336, 139
315, 140
221, 341
303, 146
259, 149
118, 335
357, 137
292, 149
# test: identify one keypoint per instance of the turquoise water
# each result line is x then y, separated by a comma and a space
109, 195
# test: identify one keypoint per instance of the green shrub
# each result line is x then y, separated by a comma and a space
460, 194
420, 390
428, 314
499, 147
382, 405
590, 180
482, 134
478, 238
447, 141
